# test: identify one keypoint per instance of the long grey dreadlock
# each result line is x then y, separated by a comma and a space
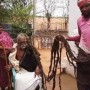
56, 58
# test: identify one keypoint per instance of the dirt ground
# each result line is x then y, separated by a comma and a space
67, 82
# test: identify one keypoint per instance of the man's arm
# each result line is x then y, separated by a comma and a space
75, 38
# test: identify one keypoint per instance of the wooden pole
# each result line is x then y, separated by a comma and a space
34, 11
6, 63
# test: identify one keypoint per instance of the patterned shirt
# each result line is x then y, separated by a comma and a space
6, 40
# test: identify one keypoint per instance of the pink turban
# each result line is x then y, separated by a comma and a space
82, 2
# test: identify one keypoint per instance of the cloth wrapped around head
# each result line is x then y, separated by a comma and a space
82, 2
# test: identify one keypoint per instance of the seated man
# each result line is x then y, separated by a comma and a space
27, 67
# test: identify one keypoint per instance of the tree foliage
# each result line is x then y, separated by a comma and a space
21, 14
4, 14
16, 12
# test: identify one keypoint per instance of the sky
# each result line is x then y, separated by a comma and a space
60, 9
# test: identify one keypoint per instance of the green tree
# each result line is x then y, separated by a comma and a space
20, 14
4, 13
16, 12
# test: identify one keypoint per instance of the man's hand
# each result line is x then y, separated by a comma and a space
11, 50
59, 38
37, 71
8, 67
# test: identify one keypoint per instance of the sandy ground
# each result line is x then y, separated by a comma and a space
67, 81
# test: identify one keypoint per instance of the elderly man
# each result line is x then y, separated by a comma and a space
27, 67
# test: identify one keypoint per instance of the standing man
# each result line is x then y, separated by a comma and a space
83, 68
5, 41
